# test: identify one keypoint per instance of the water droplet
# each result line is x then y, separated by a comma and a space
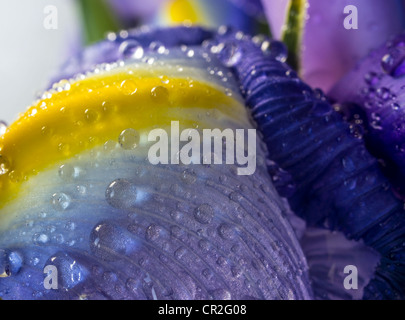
131, 49
321, 108
372, 78
221, 294
64, 148
107, 242
395, 106
157, 46
384, 93
4, 165
150, 60
3, 128
15, 176
259, 39
291, 74
357, 130
222, 30
228, 92
70, 226
350, 183
10, 263
160, 94
129, 139
164, 79
375, 121
176, 215
207, 273
237, 272
60, 201
190, 53
176, 231
109, 277
153, 232
225, 231
204, 214
235, 196
230, 54
121, 194
275, 49
393, 63
188, 176
40, 238
110, 145
81, 190
109, 107
68, 172
91, 115
180, 252
129, 87
348, 164
70, 271
239, 35
222, 262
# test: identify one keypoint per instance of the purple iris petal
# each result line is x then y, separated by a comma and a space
276, 13
375, 90
329, 50
338, 184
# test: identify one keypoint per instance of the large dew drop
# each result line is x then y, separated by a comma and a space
230, 54
70, 271
121, 194
129, 139
275, 49
107, 242
393, 63
204, 214
131, 49
159, 94
60, 201
10, 263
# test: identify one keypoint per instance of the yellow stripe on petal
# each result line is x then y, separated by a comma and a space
97, 109
186, 11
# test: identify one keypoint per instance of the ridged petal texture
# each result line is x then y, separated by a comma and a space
324, 169
114, 225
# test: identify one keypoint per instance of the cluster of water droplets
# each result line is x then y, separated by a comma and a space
231, 52
378, 98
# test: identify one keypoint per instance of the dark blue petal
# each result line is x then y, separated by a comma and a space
339, 185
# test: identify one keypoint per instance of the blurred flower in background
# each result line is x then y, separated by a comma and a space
329, 50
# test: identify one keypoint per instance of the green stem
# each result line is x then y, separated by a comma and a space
293, 31
98, 19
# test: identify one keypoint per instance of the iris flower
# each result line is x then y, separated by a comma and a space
86, 215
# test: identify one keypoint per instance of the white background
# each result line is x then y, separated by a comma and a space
29, 53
